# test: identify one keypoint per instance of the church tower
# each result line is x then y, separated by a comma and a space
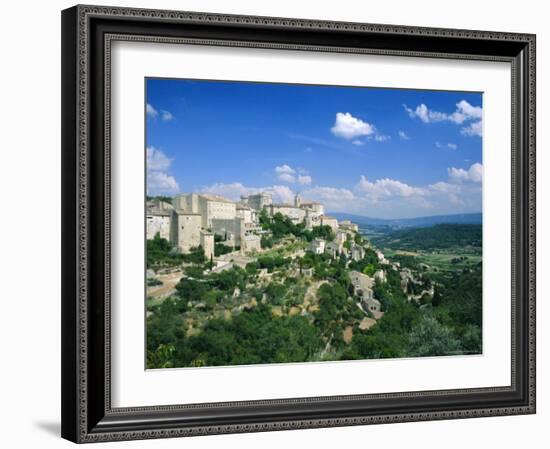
297, 200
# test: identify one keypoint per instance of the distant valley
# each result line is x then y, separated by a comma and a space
473, 218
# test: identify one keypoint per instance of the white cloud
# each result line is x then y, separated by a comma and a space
460, 193
452, 146
473, 174
445, 187
358, 142
304, 179
387, 187
167, 116
403, 135
473, 129
463, 189
158, 180
466, 111
463, 113
349, 127
291, 175
234, 190
287, 177
324, 193
456, 200
154, 113
281, 169
282, 194
423, 113
157, 160
382, 197
391, 197
335, 199
381, 138
151, 111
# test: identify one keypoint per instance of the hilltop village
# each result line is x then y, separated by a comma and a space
208, 222
214, 259
195, 219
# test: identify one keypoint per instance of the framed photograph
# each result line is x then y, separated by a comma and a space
276, 224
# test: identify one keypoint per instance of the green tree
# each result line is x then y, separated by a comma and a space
161, 253
275, 293
191, 289
266, 242
431, 338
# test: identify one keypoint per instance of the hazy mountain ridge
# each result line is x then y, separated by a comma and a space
472, 218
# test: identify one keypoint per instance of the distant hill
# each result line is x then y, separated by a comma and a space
418, 222
440, 236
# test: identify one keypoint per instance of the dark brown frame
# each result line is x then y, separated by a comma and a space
87, 33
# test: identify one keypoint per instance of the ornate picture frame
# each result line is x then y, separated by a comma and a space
87, 35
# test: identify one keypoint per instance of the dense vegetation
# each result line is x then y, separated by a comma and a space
441, 236
281, 226
162, 254
246, 316
451, 323
166, 199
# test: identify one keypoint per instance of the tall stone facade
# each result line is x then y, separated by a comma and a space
186, 230
207, 243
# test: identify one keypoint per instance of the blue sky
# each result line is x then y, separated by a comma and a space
388, 153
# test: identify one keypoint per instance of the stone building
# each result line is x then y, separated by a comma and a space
207, 243
381, 258
380, 275
248, 214
371, 304
341, 236
208, 206
296, 214
334, 249
357, 252
329, 221
309, 212
156, 204
186, 230
195, 218
362, 284
349, 226
237, 232
406, 276
317, 246
312, 219
158, 222
313, 206
257, 201
232, 230
158, 219
251, 242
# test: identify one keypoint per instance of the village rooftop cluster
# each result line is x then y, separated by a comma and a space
195, 219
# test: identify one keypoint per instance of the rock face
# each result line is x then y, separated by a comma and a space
348, 334
367, 323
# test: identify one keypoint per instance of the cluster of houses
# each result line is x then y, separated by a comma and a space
336, 247
194, 219
363, 288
